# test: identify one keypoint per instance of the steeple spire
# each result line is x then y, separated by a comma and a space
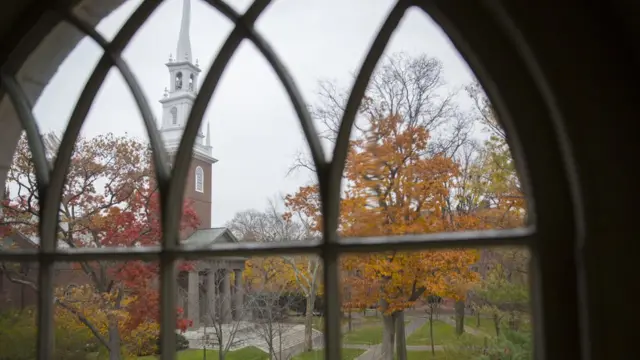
184, 44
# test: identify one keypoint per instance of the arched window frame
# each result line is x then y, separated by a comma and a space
476, 43
199, 179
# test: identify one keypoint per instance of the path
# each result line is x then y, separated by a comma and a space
409, 347
373, 352
475, 332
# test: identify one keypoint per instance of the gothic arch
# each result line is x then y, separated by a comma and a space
529, 71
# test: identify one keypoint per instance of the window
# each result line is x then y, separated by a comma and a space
191, 77
174, 116
199, 179
330, 247
178, 81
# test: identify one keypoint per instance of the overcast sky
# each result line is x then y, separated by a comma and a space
255, 133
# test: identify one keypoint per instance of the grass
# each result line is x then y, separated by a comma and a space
443, 334
425, 355
248, 353
366, 335
347, 354
486, 324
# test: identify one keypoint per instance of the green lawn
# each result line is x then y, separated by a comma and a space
248, 353
443, 334
366, 335
424, 355
486, 324
347, 354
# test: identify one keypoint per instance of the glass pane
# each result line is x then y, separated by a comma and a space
248, 308
449, 304
107, 309
58, 99
21, 202
316, 54
18, 309
110, 198
427, 152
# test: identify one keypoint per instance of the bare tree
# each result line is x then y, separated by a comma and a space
273, 225
412, 87
269, 308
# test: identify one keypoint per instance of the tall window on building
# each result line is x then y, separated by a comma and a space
174, 116
199, 179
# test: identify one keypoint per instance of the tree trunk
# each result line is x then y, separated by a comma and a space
401, 341
496, 323
459, 306
204, 345
350, 321
433, 348
221, 352
308, 325
388, 336
114, 338
478, 319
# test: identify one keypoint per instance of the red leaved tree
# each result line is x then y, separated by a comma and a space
109, 200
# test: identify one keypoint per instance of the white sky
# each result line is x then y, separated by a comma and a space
255, 133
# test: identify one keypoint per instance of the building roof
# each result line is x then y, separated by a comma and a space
208, 237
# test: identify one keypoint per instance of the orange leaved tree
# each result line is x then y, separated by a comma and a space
394, 186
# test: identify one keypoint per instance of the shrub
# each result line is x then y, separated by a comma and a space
18, 337
511, 345
181, 342
143, 340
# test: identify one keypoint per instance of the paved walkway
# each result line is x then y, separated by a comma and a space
374, 351
409, 347
451, 321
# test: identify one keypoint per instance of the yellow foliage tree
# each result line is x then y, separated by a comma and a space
106, 316
395, 187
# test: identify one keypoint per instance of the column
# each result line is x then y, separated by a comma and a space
226, 296
180, 298
193, 298
239, 295
211, 296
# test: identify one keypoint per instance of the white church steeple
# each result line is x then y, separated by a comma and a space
184, 43
178, 99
